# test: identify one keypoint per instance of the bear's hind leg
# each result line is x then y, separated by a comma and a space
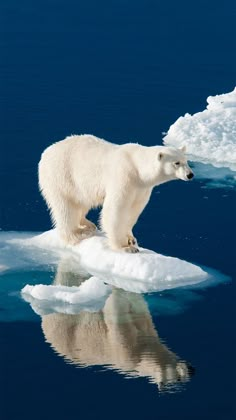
66, 216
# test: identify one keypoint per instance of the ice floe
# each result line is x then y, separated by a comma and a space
146, 271
210, 135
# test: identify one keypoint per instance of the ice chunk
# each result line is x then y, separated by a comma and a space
210, 135
93, 287
90, 296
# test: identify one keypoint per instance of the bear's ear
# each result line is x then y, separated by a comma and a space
183, 149
160, 156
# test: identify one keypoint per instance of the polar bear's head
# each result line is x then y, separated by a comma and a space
174, 163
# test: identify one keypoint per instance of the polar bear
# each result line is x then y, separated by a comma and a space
83, 172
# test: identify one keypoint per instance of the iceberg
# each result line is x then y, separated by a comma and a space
210, 135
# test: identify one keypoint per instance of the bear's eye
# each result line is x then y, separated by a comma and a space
177, 163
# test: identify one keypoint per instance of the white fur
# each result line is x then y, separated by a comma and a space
84, 172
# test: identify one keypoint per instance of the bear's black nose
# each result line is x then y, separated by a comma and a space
190, 175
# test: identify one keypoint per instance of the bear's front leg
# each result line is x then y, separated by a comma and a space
115, 223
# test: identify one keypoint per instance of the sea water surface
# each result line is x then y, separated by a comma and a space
124, 71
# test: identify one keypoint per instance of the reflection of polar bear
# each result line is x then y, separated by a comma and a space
121, 336
82, 172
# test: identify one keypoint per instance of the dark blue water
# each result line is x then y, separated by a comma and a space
124, 71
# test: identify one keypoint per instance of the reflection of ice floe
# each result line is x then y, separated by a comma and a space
146, 271
210, 135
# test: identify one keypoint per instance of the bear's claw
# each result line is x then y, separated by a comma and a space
131, 249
